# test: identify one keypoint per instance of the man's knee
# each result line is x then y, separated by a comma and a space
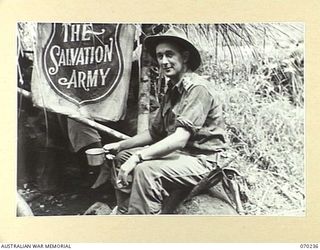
81, 135
144, 171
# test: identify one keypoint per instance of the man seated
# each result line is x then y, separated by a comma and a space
184, 138
83, 137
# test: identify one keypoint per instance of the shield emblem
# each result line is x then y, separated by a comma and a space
83, 62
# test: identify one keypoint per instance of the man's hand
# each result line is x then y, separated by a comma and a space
113, 148
126, 168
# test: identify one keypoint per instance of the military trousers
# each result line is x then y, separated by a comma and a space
152, 181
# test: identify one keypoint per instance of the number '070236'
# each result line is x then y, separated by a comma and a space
309, 246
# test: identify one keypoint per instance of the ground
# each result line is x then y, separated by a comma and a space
73, 197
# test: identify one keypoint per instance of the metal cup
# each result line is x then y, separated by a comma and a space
96, 156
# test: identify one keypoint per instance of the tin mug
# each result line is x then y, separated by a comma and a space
96, 156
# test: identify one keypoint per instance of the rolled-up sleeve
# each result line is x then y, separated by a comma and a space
195, 109
156, 127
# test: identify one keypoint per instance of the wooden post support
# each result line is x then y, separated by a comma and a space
144, 86
144, 100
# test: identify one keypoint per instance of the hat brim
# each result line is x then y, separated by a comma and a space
151, 42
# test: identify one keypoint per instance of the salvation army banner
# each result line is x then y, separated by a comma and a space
83, 69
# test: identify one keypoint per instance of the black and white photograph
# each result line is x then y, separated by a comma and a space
178, 119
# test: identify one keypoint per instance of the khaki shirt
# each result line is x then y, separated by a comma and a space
193, 105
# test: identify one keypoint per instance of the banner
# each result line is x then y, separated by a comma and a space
83, 69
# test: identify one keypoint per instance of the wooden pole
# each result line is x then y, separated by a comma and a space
144, 86
144, 100
86, 121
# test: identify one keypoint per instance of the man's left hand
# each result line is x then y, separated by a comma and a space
126, 168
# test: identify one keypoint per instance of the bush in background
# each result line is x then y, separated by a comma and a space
264, 114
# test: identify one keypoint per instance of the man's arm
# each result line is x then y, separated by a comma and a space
169, 144
139, 140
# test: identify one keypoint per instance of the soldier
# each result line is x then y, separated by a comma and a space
182, 141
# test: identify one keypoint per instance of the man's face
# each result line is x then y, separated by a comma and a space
171, 60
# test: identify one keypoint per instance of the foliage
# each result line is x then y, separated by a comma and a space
264, 114
267, 135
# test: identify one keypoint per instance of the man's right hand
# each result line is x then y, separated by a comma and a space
113, 148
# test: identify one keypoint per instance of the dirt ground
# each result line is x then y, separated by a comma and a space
49, 175
73, 197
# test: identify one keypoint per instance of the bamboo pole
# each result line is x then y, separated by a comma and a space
85, 121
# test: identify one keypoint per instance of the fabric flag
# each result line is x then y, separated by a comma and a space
83, 69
